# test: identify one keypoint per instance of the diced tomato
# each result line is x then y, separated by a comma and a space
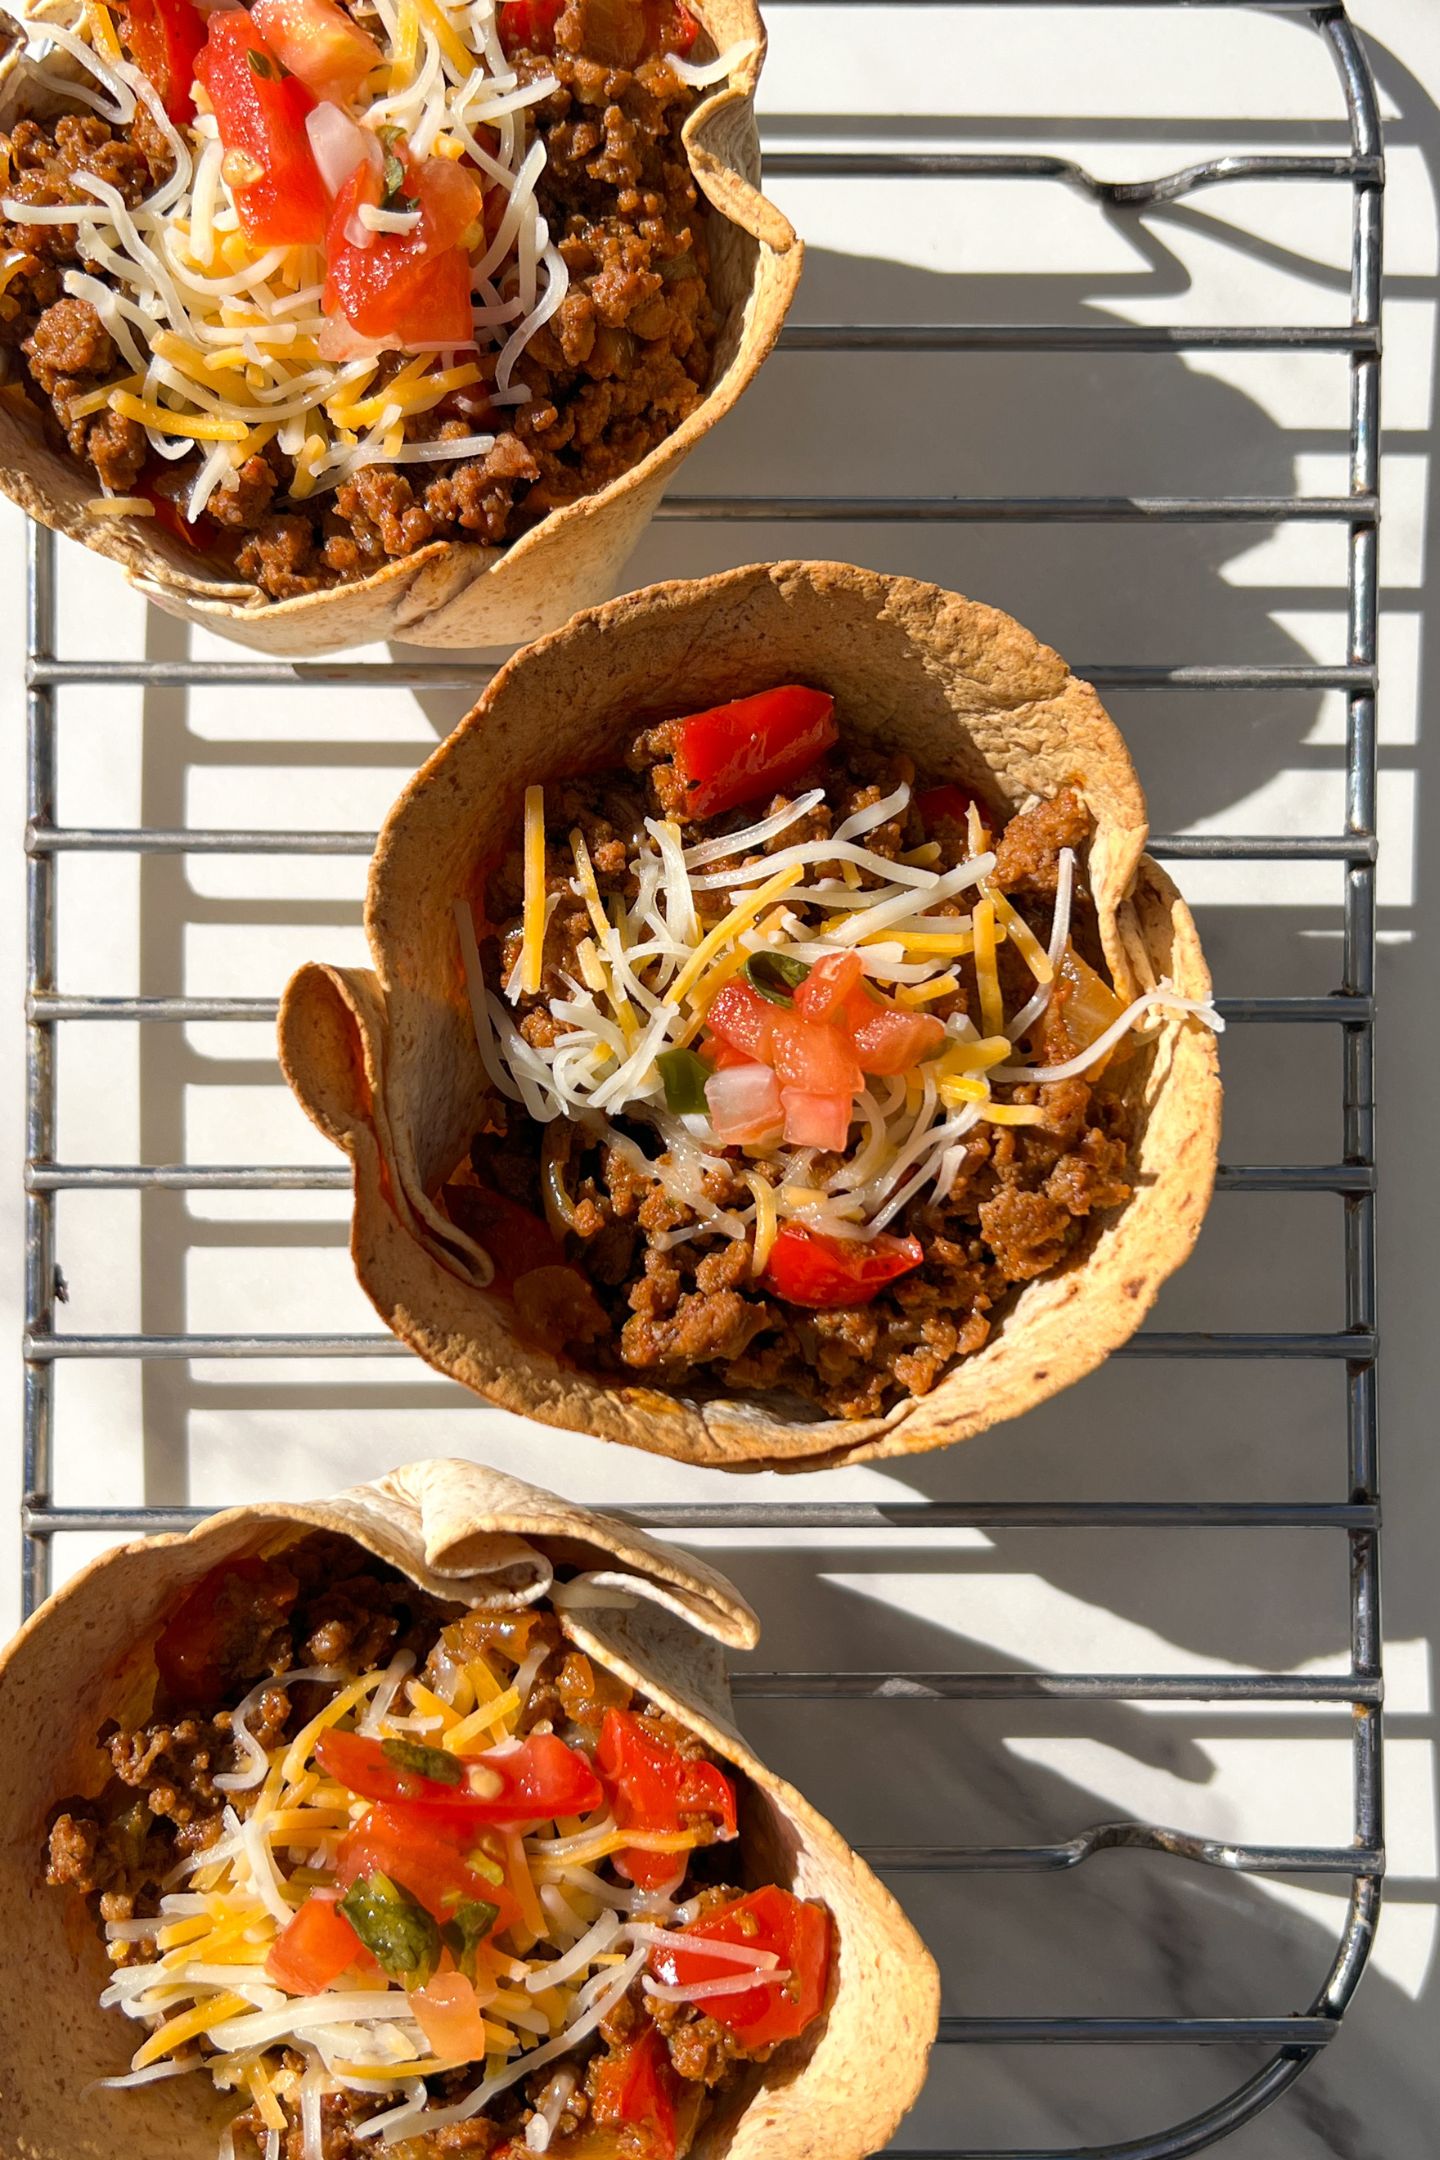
165, 37
260, 110
652, 1786
722, 1055
807, 1268
320, 43
201, 534
407, 286
815, 1056
315, 1948
534, 1782
516, 1240
818, 1121
732, 753
890, 1040
635, 2089
427, 1856
743, 1019
829, 986
744, 1103
447, 2010
529, 22
672, 27
798, 1936
946, 802
206, 1640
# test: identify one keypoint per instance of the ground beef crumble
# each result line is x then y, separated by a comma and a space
690, 1313
623, 361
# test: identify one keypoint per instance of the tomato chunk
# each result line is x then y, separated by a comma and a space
260, 110
315, 1948
818, 1121
732, 753
207, 1640
937, 804
320, 43
406, 286
807, 1268
447, 2010
797, 1934
534, 1782
635, 2089
890, 1040
653, 1787
814, 1056
743, 1019
529, 22
516, 1240
428, 1857
165, 37
831, 983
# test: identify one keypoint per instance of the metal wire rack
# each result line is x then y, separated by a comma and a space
1293, 2040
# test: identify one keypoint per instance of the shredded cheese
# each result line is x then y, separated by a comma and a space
532, 949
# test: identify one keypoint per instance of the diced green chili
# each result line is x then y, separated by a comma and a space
684, 1075
427, 1762
776, 975
397, 1931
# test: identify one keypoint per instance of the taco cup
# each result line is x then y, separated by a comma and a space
965, 1186
296, 1625
296, 430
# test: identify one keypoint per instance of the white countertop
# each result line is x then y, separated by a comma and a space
1127, 1934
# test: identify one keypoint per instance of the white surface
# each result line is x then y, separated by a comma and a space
1124, 1934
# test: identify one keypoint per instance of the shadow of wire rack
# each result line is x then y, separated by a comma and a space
1293, 2040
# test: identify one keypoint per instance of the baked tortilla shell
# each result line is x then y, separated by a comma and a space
480, 1538
458, 593
384, 1060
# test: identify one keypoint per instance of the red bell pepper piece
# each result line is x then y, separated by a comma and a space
317, 1946
427, 1857
261, 109
535, 1782
798, 1935
406, 286
166, 37
807, 1268
211, 1634
635, 2089
732, 753
653, 1787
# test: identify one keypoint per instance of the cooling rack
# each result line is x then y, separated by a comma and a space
1293, 2040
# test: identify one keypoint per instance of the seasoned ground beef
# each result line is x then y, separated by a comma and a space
690, 1312
618, 367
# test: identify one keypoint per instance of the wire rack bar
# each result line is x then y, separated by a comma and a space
1354, 1346
59, 674
335, 1177
46, 1006
1291, 2041
259, 840
843, 1515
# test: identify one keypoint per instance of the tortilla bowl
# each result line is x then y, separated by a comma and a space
384, 1060
482, 1539
453, 593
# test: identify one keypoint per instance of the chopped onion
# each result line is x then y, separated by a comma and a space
744, 1103
339, 146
